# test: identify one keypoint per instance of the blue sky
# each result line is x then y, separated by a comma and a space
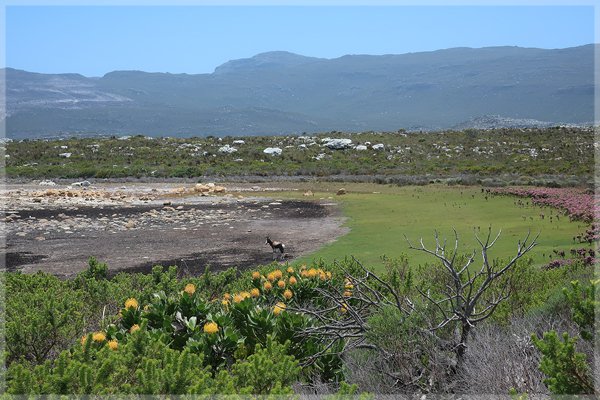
94, 40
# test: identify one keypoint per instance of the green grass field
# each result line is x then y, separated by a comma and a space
380, 216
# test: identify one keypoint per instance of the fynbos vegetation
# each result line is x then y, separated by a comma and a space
559, 156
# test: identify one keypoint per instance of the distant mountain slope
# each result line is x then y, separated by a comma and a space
281, 92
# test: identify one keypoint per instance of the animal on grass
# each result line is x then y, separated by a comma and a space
276, 246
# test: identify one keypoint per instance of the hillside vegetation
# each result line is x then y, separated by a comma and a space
552, 156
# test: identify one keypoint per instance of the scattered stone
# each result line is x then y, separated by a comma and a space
309, 193
338, 144
274, 151
47, 183
130, 224
378, 146
81, 184
65, 155
361, 147
227, 149
341, 191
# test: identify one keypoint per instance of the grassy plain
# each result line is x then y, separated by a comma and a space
379, 216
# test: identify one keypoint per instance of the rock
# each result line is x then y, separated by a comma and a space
378, 146
130, 224
338, 144
219, 189
167, 203
308, 193
274, 151
361, 147
40, 238
238, 142
200, 188
227, 149
65, 155
179, 208
37, 200
47, 183
341, 191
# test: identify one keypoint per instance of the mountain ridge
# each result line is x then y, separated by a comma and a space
433, 90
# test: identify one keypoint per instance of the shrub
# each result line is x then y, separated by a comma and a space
145, 364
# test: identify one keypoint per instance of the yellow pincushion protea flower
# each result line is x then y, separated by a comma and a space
227, 296
344, 308
288, 294
281, 284
134, 328
348, 285
225, 304
278, 274
267, 286
304, 274
113, 345
255, 292
238, 298
312, 273
293, 281
190, 289
271, 277
211, 327
99, 337
347, 293
84, 340
328, 273
245, 295
131, 303
322, 276
279, 308
256, 275
290, 270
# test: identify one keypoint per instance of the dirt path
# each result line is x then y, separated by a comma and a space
190, 232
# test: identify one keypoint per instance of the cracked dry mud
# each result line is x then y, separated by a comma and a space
147, 226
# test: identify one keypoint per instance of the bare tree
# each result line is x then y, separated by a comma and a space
465, 296
470, 297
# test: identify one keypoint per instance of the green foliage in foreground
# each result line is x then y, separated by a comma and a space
566, 152
192, 341
146, 365
568, 371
